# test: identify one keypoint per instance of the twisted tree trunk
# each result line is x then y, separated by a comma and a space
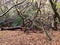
56, 15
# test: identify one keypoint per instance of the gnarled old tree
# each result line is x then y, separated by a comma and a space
56, 15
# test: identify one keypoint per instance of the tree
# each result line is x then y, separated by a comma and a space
56, 15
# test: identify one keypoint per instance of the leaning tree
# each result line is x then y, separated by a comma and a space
56, 15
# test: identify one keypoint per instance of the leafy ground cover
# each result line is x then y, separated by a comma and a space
21, 38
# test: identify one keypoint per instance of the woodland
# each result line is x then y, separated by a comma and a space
30, 15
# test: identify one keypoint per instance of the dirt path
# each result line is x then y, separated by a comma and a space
21, 38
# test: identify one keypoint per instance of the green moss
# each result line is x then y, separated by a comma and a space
58, 4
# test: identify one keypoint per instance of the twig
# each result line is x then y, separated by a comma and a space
11, 8
46, 33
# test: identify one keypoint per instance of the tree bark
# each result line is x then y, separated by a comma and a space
56, 15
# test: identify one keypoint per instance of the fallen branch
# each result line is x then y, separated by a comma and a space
13, 28
49, 38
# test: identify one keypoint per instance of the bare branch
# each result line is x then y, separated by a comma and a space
11, 8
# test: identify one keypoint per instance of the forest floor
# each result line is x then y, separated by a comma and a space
31, 38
